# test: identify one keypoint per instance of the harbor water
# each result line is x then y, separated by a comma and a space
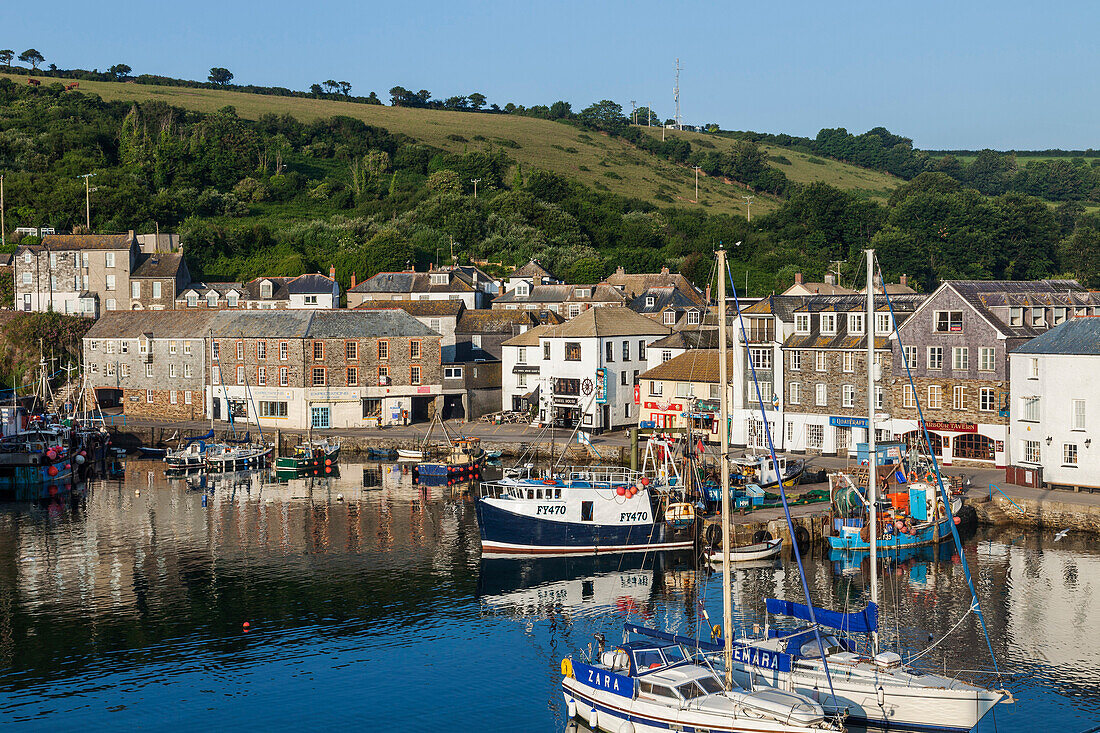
149, 603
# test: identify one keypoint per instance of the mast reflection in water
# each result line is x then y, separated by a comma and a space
122, 604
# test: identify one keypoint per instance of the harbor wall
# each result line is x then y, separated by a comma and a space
1053, 511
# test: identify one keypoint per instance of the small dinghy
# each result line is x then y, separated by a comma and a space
408, 454
680, 515
756, 551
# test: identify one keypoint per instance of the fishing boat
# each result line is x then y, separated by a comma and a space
38, 455
228, 458
747, 553
461, 462
655, 683
876, 688
763, 472
410, 454
315, 457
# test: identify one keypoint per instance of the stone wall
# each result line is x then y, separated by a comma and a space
834, 377
947, 413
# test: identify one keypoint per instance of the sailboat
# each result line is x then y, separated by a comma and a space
876, 688
655, 683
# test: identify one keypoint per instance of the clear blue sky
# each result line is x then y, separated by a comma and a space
948, 74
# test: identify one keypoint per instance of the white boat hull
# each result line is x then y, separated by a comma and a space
748, 553
403, 454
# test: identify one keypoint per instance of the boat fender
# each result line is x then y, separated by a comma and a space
571, 708
716, 632
626, 727
593, 719
549, 482
567, 667
79, 460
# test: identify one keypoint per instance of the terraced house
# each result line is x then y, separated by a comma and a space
76, 273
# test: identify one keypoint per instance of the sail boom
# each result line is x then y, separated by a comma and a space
859, 622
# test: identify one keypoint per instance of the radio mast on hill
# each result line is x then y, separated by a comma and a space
676, 96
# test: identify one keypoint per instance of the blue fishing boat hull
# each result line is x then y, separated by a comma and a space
504, 532
922, 537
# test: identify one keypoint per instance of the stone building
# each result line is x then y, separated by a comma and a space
76, 273
149, 364
156, 280
957, 345
304, 292
468, 284
568, 301
439, 315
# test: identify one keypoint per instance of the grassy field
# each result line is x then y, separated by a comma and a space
597, 160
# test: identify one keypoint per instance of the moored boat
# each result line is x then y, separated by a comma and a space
746, 553
236, 458
410, 454
318, 457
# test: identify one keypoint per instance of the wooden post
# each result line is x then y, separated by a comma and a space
634, 449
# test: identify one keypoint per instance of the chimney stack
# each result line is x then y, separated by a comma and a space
903, 280
353, 279
798, 278
708, 292
619, 270
830, 278
332, 272
664, 270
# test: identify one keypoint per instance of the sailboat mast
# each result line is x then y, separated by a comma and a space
872, 452
723, 460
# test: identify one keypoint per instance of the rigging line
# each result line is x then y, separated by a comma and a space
950, 631
779, 477
939, 477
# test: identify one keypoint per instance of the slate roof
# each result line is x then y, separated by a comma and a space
86, 241
422, 308
279, 290
561, 293
818, 289
260, 324
983, 295
630, 284
689, 339
663, 297
203, 288
498, 321
530, 337
161, 265
310, 284
842, 305
700, 365
607, 321
414, 282
532, 269
1077, 336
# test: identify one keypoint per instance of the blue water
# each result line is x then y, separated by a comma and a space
123, 607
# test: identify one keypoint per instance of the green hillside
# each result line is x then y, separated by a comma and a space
597, 160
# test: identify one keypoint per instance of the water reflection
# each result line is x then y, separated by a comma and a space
123, 604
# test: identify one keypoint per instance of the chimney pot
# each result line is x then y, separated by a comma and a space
903, 280
798, 278
619, 270
830, 279
664, 270
353, 279
332, 272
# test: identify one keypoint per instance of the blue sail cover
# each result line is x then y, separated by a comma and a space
860, 622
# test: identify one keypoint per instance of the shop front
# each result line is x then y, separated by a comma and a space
953, 442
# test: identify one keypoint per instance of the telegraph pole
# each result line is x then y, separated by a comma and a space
3, 230
748, 205
696, 184
87, 201
475, 181
676, 94
633, 113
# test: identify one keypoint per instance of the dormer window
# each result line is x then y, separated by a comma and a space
231, 299
670, 318
440, 278
192, 300
212, 300
265, 289
27, 257
828, 323
581, 293
522, 290
855, 323
649, 301
693, 318
802, 323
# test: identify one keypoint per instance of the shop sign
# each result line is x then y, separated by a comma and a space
601, 386
848, 422
665, 406
637, 394
951, 427
521, 369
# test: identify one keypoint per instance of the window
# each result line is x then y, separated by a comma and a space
656, 389
693, 318
211, 300
815, 436
821, 395
123, 347
284, 348
111, 304
546, 351
669, 317
187, 348
172, 397
414, 374
855, 323
1015, 316
320, 417
215, 350
796, 393
572, 352
273, 409
1031, 451
1033, 368
216, 374
935, 357
440, 278
148, 370
685, 389
187, 371
240, 351
624, 378
880, 400
1078, 414
987, 399
172, 372
124, 370
261, 349
958, 398
847, 396
610, 351
149, 396
318, 377
135, 289
143, 346
935, 397
109, 259
435, 325
802, 323
475, 339
828, 323
1069, 454
883, 323
1029, 409
987, 360
318, 350
761, 358
351, 374
172, 347
26, 278
1038, 317
849, 361
240, 374
27, 257
192, 300
641, 349
156, 290
351, 350
109, 347
649, 301
1059, 316
310, 300
284, 377
110, 282
187, 397
455, 372
626, 351
414, 348
948, 321
261, 376
574, 310
960, 358
111, 369
821, 359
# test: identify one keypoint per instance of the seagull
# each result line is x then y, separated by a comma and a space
1061, 535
